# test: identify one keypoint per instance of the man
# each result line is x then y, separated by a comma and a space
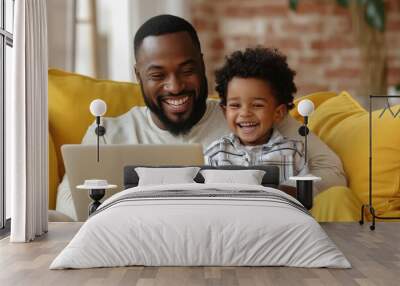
170, 70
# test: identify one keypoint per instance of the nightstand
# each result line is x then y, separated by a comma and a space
304, 186
97, 190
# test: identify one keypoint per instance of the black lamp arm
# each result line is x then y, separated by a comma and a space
303, 131
100, 131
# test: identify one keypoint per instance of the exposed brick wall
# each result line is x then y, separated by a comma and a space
317, 38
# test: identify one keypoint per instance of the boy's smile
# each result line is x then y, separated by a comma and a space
247, 127
251, 110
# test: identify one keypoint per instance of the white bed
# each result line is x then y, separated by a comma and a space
201, 224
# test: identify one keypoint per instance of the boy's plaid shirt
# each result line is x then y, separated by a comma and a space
279, 151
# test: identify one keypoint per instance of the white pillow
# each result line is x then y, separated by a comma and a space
248, 177
163, 176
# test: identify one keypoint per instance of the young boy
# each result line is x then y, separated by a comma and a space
256, 90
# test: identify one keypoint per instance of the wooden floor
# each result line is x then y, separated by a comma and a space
374, 255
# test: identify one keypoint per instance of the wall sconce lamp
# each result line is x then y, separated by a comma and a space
305, 108
98, 108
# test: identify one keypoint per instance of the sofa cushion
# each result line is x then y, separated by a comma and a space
343, 124
54, 178
336, 204
70, 95
317, 98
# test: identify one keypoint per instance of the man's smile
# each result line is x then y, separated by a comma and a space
177, 104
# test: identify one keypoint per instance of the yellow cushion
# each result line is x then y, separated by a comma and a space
343, 124
69, 99
336, 204
317, 98
54, 178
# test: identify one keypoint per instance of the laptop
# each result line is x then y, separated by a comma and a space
80, 163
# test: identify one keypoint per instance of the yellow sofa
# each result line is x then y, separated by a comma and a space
338, 120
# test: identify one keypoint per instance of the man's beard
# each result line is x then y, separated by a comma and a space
198, 109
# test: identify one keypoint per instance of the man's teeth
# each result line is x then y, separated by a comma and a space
177, 102
247, 124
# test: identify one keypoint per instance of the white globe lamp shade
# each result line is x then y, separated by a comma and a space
98, 107
305, 107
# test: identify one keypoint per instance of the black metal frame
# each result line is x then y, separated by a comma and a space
370, 204
6, 39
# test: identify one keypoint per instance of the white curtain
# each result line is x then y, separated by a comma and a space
27, 123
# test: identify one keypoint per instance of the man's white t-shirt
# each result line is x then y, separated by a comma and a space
137, 127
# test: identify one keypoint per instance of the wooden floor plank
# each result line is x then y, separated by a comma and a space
374, 255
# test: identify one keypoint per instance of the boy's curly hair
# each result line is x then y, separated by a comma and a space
261, 63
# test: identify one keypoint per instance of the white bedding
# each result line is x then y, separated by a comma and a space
184, 230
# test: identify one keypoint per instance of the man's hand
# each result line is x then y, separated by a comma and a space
292, 191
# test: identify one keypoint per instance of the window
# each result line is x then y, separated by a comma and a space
6, 44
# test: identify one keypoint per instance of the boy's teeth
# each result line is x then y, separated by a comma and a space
247, 124
177, 102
